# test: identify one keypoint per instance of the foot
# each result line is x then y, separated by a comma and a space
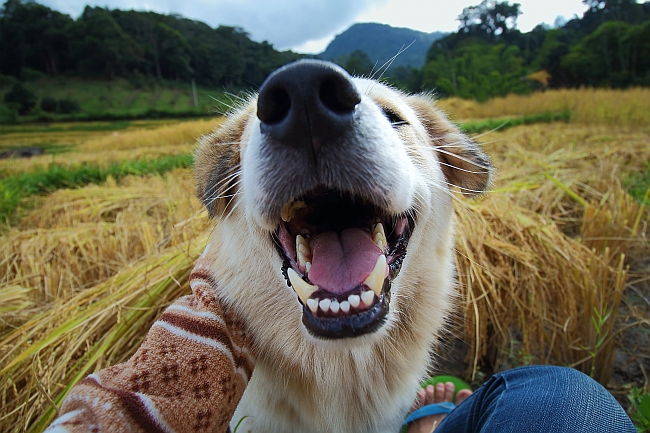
442, 392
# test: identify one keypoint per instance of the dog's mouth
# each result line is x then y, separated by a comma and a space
340, 254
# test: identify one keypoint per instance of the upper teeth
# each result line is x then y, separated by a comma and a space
303, 252
375, 280
289, 210
379, 236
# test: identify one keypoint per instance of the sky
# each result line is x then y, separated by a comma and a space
307, 26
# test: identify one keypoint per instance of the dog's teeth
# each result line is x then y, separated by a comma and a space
325, 305
375, 280
334, 306
285, 213
354, 300
304, 252
289, 210
379, 236
367, 298
302, 288
303, 245
313, 305
307, 266
345, 306
302, 260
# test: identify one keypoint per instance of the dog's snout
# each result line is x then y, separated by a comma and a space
307, 104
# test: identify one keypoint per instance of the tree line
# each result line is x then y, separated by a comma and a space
106, 44
488, 56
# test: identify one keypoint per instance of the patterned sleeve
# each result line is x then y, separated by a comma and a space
187, 376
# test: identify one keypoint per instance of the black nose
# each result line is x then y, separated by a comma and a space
307, 104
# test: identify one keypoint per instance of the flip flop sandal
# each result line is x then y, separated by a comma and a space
436, 408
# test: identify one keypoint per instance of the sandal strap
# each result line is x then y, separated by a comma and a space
429, 410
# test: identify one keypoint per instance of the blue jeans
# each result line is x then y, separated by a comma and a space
542, 399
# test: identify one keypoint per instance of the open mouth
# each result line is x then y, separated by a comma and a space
340, 255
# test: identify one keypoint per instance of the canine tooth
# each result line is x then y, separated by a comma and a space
325, 305
312, 304
367, 297
302, 288
354, 300
345, 306
375, 280
285, 213
334, 306
289, 210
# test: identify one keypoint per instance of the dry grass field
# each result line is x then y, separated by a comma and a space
552, 264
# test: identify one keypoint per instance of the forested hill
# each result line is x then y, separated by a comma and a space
609, 46
106, 44
380, 42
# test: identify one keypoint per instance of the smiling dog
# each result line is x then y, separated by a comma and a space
329, 272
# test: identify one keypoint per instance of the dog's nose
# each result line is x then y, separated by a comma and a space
307, 104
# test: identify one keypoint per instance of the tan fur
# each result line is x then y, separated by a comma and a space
362, 384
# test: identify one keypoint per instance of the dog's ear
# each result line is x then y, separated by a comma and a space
217, 164
463, 162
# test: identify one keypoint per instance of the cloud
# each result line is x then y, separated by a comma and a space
284, 23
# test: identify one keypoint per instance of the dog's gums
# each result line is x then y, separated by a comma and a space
340, 261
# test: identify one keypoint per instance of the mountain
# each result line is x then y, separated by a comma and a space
381, 42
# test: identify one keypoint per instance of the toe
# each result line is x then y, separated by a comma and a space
449, 392
420, 400
430, 394
440, 393
462, 395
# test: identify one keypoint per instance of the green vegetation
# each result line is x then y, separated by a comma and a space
638, 184
136, 65
150, 60
85, 100
641, 414
14, 188
500, 124
488, 57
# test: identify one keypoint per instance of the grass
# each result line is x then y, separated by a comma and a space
13, 189
121, 99
542, 259
142, 139
641, 414
477, 127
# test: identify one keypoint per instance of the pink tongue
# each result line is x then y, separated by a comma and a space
340, 262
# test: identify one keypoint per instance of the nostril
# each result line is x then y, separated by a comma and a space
339, 97
273, 105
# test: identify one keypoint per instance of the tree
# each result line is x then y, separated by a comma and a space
489, 19
32, 36
100, 47
20, 98
477, 70
358, 63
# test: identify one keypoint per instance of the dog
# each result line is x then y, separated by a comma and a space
328, 276
333, 197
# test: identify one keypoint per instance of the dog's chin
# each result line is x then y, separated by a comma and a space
340, 254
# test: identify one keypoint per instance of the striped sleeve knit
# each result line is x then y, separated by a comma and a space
187, 376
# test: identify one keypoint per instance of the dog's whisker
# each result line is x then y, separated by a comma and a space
223, 184
464, 159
